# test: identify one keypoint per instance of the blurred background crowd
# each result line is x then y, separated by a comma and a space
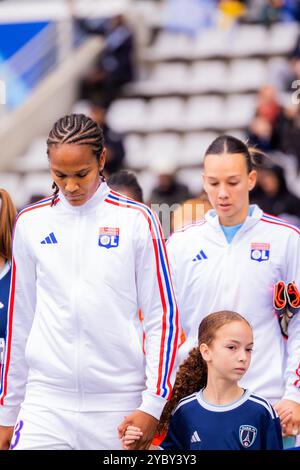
163, 78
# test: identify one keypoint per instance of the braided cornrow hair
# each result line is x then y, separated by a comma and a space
76, 129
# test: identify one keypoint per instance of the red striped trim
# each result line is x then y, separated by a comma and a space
32, 208
283, 225
122, 196
175, 313
9, 330
162, 296
185, 228
198, 223
11, 304
275, 217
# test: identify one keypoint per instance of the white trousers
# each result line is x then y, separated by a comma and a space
41, 428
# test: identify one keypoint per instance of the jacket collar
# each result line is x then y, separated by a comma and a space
251, 220
91, 204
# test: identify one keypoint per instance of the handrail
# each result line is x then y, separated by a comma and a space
38, 57
32, 51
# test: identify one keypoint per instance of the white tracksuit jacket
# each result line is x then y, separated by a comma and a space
211, 275
79, 276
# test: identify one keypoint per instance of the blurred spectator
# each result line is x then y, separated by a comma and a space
260, 134
272, 193
168, 190
113, 141
283, 76
289, 133
125, 182
115, 65
268, 105
293, 72
264, 128
279, 10
231, 11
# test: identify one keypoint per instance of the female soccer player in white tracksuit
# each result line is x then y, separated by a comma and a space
84, 261
231, 260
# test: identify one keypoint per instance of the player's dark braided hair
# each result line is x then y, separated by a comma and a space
229, 144
192, 374
76, 129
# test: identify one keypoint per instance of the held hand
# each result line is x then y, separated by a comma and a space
147, 425
131, 435
6, 433
290, 422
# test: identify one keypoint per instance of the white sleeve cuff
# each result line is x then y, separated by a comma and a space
152, 404
8, 415
292, 393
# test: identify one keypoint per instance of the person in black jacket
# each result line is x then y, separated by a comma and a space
272, 193
114, 67
113, 140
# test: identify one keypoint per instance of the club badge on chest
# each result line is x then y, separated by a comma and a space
108, 237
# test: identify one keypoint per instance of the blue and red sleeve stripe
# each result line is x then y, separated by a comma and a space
271, 219
10, 313
170, 318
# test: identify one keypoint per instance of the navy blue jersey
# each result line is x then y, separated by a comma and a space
249, 423
4, 295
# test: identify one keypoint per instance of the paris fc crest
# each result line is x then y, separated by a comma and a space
247, 435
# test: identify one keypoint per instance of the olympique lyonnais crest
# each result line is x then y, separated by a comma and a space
260, 251
108, 237
247, 435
